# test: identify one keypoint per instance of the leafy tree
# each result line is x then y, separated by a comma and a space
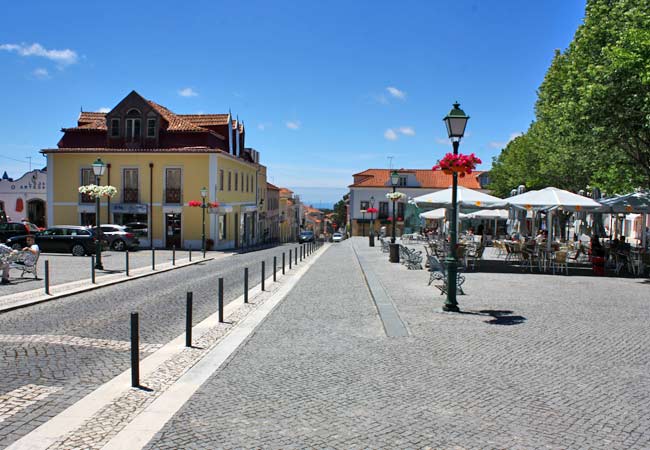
341, 211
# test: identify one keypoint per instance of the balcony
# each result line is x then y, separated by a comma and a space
173, 196
130, 195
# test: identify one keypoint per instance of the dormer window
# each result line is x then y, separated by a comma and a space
402, 181
151, 128
115, 127
133, 125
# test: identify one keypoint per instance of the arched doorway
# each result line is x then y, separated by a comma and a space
36, 212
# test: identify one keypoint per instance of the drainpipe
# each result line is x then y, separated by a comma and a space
151, 204
108, 183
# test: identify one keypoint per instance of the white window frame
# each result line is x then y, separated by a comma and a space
153, 135
113, 120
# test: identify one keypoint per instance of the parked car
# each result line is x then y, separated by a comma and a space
77, 240
337, 237
118, 237
140, 229
306, 236
11, 229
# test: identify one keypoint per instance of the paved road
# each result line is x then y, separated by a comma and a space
55, 353
65, 268
535, 361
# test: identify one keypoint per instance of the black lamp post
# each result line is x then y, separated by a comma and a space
204, 194
393, 255
456, 122
363, 222
98, 169
371, 236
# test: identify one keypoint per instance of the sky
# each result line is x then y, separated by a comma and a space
325, 89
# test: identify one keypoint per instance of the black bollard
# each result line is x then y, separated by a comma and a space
275, 268
47, 277
220, 300
190, 253
295, 256
263, 275
92, 269
126, 262
290, 259
188, 320
153, 259
245, 284
282, 263
135, 350
173, 255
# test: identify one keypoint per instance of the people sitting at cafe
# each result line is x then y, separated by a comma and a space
596, 248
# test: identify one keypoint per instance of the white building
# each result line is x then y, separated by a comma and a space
375, 183
25, 197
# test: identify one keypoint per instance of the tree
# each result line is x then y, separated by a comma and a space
341, 211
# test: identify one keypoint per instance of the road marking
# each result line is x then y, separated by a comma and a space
15, 401
55, 339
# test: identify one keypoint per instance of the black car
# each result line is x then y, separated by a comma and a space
306, 236
77, 240
11, 229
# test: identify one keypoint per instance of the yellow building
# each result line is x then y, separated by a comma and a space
159, 162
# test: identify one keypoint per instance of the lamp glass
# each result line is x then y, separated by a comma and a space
99, 167
456, 122
394, 178
372, 201
204, 192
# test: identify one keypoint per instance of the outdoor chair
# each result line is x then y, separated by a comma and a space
412, 259
560, 262
384, 245
26, 262
438, 276
474, 257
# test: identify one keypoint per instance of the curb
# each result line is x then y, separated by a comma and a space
46, 298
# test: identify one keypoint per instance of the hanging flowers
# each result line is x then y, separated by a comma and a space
395, 196
372, 210
94, 191
197, 204
460, 164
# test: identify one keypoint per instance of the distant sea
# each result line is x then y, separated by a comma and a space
319, 197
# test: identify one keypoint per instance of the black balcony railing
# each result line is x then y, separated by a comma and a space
130, 195
85, 198
173, 195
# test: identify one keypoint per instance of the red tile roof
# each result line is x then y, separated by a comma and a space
429, 179
134, 150
273, 187
205, 120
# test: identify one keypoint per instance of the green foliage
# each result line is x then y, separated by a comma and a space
341, 212
592, 122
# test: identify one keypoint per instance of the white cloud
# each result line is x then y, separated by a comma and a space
442, 141
104, 109
63, 57
396, 93
293, 124
263, 126
390, 134
41, 73
188, 92
501, 144
407, 131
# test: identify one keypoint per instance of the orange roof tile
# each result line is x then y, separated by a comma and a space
273, 187
431, 179
286, 191
206, 120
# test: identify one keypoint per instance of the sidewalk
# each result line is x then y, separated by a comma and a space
518, 369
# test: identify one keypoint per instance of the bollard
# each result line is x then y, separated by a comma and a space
275, 265
188, 320
290, 259
282, 263
245, 284
92, 269
263, 275
126, 263
47, 277
135, 350
153, 259
295, 256
173, 255
190, 253
220, 300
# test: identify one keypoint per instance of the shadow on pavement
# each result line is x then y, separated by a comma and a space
498, 316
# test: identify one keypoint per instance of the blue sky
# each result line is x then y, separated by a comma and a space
326, 89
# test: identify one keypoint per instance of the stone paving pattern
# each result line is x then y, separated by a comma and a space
535, 361
103, 316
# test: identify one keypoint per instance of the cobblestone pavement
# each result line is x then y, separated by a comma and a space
535, 361
65, 268
70, 346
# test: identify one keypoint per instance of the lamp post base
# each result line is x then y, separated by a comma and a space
371, 240
393, 255
450, 308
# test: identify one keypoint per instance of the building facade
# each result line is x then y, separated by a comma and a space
159, 162
374, 184
273, 210
25, 197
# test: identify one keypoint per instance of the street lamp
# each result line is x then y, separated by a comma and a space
393, 255
204, 194
371, 236
363, 222
456, 122
98, 169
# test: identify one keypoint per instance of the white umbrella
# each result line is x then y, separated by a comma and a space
437, 214
636, 202
466, 197
501, 214
551, 198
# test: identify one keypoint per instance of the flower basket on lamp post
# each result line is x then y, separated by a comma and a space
203, 205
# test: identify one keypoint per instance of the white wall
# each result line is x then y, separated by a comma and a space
32, 185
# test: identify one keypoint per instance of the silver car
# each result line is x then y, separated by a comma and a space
119, 237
